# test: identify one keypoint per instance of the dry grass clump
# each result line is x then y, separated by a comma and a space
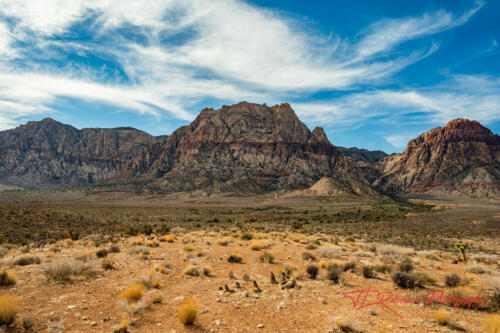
330, 252
65, 269
392, 251
347, 326
7, 279
27, 323
266, 258
235, 258
224, 241
9, 306
247, 236
491, 324
349, 266
187, 311
383, 268
452, 280
114, 249
308, 256
197, 271
133, 293
485, 258
108, 264
442, 317
27, 260
478, 269
257, 245
167, 238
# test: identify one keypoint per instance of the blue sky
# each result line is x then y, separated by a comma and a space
374, 74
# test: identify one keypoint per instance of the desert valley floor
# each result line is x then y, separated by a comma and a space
97, 262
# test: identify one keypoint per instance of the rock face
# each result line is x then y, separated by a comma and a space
363, 155
47, 154
461, 158
245, 148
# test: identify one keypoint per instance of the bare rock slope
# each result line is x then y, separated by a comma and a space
461, 158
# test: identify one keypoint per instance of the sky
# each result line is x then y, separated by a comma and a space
373, 74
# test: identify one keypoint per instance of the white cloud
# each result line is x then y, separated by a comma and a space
474, 97
230, 50
398, 141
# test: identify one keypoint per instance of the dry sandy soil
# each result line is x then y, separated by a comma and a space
91, 302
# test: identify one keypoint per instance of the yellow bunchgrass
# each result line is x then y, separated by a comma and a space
491, 324
133, 293
260, 244
442, 317
187, 311
9, 306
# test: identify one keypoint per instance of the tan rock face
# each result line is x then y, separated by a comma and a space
462, 157
48, 154
245, 148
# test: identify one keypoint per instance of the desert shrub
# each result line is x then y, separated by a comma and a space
257, 245
101, 253
7, 279
492, 303
64, 269
187, 311
147, 229
133, 293
333, 273
157, 300
491, 324
442, 317
311, 247
312, 270
308, 256
26, 260
266, 258
234, 258
347, 326
329, 252
423, 279
73, 234
478, 269
192, 271
392, 251
383, 268
406, 265
246, 236
363, 254
486, 258
107, 264
27, 323
9, 306
452, 280
224, 242
368, 272
114, 249
349, 266
404, 280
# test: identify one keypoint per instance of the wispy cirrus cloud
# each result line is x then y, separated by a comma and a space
162, 56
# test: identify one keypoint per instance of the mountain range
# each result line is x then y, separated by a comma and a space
249, 148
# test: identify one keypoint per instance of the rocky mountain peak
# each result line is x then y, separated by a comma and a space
457, 130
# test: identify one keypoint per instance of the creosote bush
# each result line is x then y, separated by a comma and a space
406, 265
26, 260
312, 270
234, 258
404, 280
333, 273
452, 280
7, 279
101, 253
187, 311
9, 306
368, 272
349, 266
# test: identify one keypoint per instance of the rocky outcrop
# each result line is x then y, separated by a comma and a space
461, 158
47, 154
245, 148
363, 155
